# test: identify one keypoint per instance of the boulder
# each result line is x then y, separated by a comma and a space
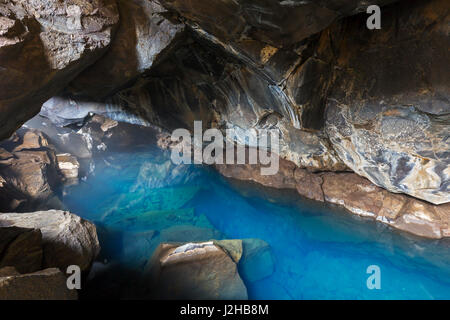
66, 238
43, 46
194, 271
21, 248
143, 38
257, 261
48, 284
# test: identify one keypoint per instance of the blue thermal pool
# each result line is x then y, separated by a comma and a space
307, 251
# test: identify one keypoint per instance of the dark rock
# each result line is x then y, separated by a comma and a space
43, 46
21, 248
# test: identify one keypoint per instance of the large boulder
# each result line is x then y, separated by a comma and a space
144, 37
66, 238
48, 284
194, 271
43, 46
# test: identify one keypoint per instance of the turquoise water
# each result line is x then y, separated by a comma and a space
304, 251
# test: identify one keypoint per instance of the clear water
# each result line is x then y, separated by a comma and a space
316, 252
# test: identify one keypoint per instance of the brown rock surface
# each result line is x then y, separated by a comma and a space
21, 248
67, 239
49, 284
194, 271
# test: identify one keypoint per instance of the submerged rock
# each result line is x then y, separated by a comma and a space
66, 238
257, 261
194, 271
43, 46
183, 233
48, 284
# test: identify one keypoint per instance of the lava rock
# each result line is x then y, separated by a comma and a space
194, 271
143, 38
67, 239
43, 46
48, 284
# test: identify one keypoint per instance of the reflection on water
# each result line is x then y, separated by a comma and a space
305, 251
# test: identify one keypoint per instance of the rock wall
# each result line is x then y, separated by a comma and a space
43, 46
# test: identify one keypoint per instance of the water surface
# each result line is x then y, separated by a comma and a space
138, 199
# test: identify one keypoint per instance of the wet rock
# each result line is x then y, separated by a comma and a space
194, 271
144, 37
48, 284
67, 239
43, 46
361, 197
188, 233
155, 220
137, 246
232, 247
21, 248
257, 261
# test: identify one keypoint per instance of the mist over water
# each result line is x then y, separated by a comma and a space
138, 199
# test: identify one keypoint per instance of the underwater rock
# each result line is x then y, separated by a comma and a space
185, 233
232, 247
67, 239
257, 261
21, 248
48, 284
138, 246
155, 220
43, 46
143, 38
194, 271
